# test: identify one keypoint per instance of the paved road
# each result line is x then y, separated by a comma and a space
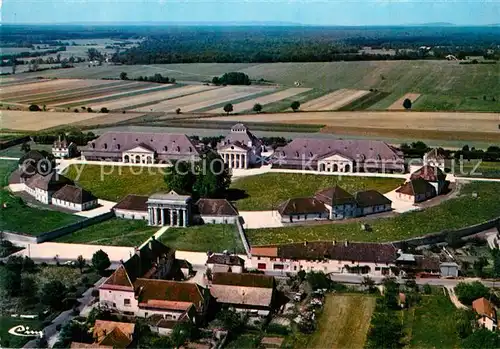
66, 316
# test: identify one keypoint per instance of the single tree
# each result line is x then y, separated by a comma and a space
104, 110
89, 110
178, 110
123, 76
407, 103
228, 108
233, 322
81, 263
25, 147
302, 275
257, 108
100, 261
34, 107
52, 293
318, 280
180, 177
213, 177
295, 105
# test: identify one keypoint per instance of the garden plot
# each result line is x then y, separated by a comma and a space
334, 100
205, 99
35, 121
152, 98
398, 105
275, 97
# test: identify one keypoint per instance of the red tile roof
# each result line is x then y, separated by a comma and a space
483, 307
301, 206
243, 279
132, 203
429, 173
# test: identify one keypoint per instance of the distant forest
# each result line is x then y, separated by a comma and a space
262, 44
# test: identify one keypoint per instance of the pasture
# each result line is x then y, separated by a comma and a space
344, 322
334, 100
250, 196
452, 214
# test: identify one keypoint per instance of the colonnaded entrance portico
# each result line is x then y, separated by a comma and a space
169, 209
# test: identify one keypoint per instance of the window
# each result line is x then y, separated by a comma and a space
377, 268
118, 146
146, 314
126, 302
261, 266
278, 266
105, 145
165, 148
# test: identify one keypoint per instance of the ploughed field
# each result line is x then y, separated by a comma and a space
443, 85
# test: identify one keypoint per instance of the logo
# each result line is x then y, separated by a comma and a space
22, 331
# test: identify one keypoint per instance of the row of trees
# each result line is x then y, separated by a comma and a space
158, 78
232, 78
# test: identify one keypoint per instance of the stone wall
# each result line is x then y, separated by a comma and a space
435, 238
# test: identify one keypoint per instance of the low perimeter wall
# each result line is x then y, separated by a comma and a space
441, 236
54, 234
243, 237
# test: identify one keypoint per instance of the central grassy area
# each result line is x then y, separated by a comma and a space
451, 214
203, 238
267, 191
115, 182
114, 232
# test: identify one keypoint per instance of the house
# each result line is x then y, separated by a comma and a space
434, 175
215, 211
327, 256
302, 209
425, 266
225, 262
109, 334
487, 313
449, 269
42, 187
142, 148
339, 202
371, 201
132, 207
435, 158
416, 190
244, 292
240, 148
138, 287
74, 198
64, 149
339, 155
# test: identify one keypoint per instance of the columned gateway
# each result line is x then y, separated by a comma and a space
169, 209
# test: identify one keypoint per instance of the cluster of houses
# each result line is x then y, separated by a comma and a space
43, 183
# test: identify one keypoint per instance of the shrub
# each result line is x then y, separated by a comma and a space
277, 329
104, 110
76, 110
34, 107
427, 289
468, 292
89, 110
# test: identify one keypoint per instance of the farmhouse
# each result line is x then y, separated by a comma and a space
326, 256
240, 148
215, 211
333, 203
252, 293
142, 148
108, 334
64, 149
487, 313
138, 287
225, 262
416, 190
43, 187
132, 207
74, 198
338, 155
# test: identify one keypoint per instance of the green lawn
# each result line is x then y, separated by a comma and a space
115, 232
8, 340
6, 168
115, 182
431, 102
267, 191
203, 238
451, 214
431, 324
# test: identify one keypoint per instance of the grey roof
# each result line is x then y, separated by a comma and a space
170, 196
335, 196
132, 202
449, 264
51, 182
302, 206
216, 207
240, 134
371, 198
166, 145
415, 187
360, 150
73, 194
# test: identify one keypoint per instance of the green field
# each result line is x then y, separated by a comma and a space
451, 214
344, 322
115, 182
444, 84
203, 238
6, 168
284, 186
16, 152
113, 232
431, 324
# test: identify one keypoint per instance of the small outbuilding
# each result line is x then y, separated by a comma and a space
74, 198
302, 209
449, 269
218, 211
132, 207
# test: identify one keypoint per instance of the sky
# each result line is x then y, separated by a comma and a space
310, 12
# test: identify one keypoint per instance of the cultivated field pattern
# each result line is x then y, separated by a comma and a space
334, 100
398, 105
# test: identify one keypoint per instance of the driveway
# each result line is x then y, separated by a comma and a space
260, 219
454, 298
